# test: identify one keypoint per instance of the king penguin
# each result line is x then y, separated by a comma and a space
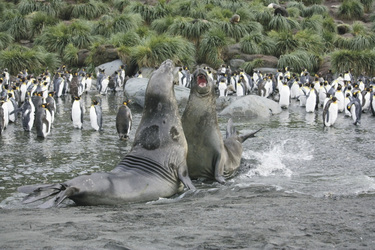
312, 100
366, 96
28, 114
330, 112
223, 87
124, 121
43, 121
346, 102
77, 112
104, 85
355, 108
339, 94
3, 116
51, 105
96, 118
88, 82
284, 100
372, 103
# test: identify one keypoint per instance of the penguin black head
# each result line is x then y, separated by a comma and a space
95, 102
334, 99
77, 98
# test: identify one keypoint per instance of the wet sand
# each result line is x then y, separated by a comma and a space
272, 220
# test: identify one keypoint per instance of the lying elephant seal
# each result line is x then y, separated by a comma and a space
209, 156
153, 168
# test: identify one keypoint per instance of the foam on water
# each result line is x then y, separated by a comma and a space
273, 161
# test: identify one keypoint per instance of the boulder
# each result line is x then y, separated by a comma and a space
236, 63
135, 89
233, 52
251, 106
109, 67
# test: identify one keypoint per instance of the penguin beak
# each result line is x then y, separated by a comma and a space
201, 80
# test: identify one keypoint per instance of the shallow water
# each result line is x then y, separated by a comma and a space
293, 160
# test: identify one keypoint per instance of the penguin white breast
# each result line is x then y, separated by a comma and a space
94, 118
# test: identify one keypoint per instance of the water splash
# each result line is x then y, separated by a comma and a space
280, 159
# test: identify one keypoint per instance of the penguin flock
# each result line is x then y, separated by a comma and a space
333, 94
32, 99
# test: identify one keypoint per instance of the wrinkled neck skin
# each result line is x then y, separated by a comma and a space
160, 126
160, 94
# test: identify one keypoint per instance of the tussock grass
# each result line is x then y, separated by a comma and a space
249, 67
90, 10
351, 9
299, 60
5, 40
17, 58
156, 49
359, 61
285, 42
150, 13
38, 21
211, 47
49, 7
313, 23
120, 5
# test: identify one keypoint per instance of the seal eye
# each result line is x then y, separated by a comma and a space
202, 81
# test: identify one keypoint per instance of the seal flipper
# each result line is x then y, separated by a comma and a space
184, 177
243, 138
231, 130
60, 197
219, 169
38, 192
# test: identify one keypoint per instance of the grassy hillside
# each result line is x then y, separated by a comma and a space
48, 33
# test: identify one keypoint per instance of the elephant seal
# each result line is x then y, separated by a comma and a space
209, 156
154, 167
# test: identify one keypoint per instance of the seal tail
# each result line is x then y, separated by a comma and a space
231, 131
58, 192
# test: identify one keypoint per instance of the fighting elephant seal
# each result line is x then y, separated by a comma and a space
154, 167
209, 156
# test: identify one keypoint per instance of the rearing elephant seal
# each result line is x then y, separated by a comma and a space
209, 156
155, 166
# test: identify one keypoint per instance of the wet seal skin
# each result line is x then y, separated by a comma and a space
209, 156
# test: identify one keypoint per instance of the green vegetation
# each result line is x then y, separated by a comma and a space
187, 31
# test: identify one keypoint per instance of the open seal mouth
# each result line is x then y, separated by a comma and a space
201, 80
